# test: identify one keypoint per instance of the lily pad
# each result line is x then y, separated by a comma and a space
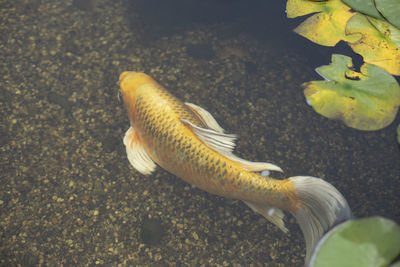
373, 241
390, 9
379, 44
366, 100
365, 7
327, 26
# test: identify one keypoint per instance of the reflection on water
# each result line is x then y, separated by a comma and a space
68, 194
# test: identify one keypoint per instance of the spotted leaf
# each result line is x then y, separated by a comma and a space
327, 26
379, 44
366, 100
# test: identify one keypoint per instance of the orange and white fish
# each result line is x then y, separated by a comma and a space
186, 140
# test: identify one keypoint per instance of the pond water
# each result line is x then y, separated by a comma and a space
68, 194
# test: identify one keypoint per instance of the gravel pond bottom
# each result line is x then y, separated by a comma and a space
68, 195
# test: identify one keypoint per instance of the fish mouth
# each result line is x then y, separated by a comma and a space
124, 75
121, 78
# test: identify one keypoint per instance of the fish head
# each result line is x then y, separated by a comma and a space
130, 82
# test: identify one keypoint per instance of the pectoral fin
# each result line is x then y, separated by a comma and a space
137, 155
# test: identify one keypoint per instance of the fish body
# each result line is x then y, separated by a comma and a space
186, 140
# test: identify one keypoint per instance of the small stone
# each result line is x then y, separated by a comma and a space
110, 143
200, 51
151, 231
195, 236
60, 100
98, 187
251, 67
85, 5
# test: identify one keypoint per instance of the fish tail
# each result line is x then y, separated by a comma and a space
317, 207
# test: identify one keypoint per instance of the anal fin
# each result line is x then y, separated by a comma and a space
137, 155
272, 214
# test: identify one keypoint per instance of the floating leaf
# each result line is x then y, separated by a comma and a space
379, 44
390, 9
373, 241
398, 134
364, 6
327, 26
366, 100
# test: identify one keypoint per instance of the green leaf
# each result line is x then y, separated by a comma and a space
398, 134
327, 25
390, 9
373, 241
364, 6
379, 44
366, 100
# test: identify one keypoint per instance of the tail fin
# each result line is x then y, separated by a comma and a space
320, 206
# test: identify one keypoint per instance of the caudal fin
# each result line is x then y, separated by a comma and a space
319, 207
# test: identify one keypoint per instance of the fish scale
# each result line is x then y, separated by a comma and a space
229, 181
186, 140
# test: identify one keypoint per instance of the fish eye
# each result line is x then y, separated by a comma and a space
119, 96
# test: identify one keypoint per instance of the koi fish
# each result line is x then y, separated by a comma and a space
187, 141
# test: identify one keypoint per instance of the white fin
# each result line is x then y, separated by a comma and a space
224, 144
205, 117
273, 215
137, 155
319, 207
221, 142
255, 166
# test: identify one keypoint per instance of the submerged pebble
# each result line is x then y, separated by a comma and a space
85, 5
151, 231
60, 100
200, 51
251, 67
110, 143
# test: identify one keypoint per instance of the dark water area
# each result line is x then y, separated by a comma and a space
68, 195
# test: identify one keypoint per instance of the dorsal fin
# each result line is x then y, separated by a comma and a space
219, 141
205, 117
224, 144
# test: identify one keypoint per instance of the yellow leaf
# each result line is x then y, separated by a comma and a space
297, 8
379, 44
367, 100
327, 26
